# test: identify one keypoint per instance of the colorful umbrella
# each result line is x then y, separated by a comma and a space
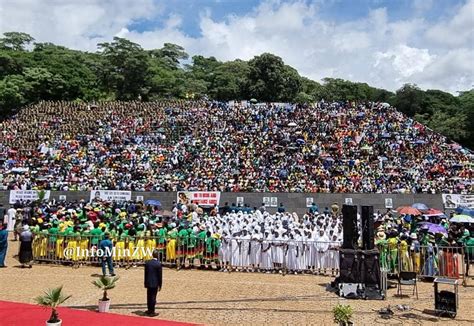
433, 212
433, 228
461, 219
408, 210
420, 206
465, 211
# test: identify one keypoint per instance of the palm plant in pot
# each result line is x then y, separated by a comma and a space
343, 314
105, 283
52, 298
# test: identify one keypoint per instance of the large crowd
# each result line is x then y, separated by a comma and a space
233, 237
227, 237
201, 145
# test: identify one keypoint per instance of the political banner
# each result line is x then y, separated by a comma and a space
111, 195
309, 201
27, 195
201, 198
456, 200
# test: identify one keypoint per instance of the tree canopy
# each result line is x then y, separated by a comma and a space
123, 70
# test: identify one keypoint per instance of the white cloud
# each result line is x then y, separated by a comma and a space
373, 49
405, 60
457, 30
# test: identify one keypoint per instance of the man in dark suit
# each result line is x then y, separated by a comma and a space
153, 282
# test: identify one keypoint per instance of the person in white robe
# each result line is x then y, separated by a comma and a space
224, 251
291, 254
334, 255
267, 262
322, 246
245, 249
235, 248
256, 250
277, 251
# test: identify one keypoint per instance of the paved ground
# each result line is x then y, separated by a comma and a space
216, 298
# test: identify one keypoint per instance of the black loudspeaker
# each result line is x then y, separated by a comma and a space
349, 225
445, 302
349, 266
370, 267
367, 227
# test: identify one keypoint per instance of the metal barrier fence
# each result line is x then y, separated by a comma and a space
230, 254
428, 261
237, 254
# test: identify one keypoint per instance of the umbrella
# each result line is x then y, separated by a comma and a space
253, 100
420, 206
153, 202
292, 124
408, 210
300, 141
433, 212
465, 211
166, 213
462, 219
433, 228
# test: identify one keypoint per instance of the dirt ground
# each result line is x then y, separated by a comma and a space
216, 298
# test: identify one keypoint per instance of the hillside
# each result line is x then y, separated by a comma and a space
121, 70
351, 146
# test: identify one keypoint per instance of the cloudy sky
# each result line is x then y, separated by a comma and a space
385, 43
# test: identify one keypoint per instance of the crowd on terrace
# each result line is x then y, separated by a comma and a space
347, 146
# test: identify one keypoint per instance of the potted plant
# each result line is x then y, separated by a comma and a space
342, 314
52, 298
105, 283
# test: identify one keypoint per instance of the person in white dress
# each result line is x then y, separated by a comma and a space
256, 250
322, 246
267, 262
235, 248
245, 249
291, 254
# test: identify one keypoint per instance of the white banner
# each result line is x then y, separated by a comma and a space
201, 198
27, 195
111, 195
454, 200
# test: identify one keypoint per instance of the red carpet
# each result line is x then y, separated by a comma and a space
16, 314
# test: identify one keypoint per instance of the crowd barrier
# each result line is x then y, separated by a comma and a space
428, 261
231, 254
235, 254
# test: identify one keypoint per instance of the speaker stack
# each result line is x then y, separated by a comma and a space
359, 275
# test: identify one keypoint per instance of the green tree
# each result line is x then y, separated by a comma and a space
170, 54
124, 69
15, 41
270, 79
12, 93
409, 99
231, 81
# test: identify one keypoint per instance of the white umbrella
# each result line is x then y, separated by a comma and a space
462, 219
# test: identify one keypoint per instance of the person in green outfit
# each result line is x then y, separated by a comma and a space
382, 245
96, 234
